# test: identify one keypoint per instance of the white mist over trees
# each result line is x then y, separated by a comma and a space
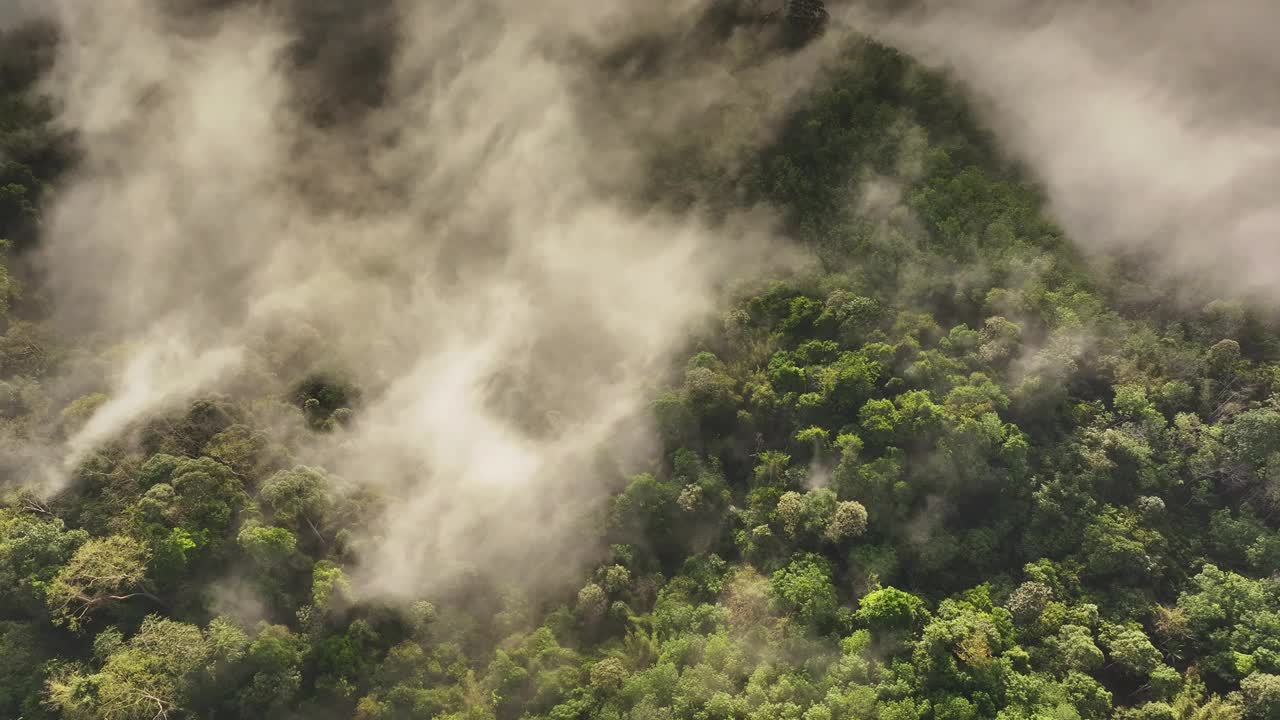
706, 360
465, 238
1154, 130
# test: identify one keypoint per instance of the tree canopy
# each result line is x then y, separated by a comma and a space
953, 472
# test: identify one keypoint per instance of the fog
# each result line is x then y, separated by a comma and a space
438, 201
446, 204
1154, 126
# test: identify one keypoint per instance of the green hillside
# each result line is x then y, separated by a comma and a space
954, 470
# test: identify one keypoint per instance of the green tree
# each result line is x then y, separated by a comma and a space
804, 588
1130, 648
301, 500
102, 572
849, 521
890, 609
1260, 693
151, 675
32, 549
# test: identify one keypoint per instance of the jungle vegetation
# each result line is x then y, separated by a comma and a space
957, 471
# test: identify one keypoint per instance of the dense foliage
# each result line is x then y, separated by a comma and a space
957, 473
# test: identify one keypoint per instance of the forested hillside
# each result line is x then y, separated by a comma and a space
951, 468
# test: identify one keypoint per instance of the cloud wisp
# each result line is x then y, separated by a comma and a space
437, 199
1154, 127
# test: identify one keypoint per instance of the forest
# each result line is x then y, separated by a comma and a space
950, 467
